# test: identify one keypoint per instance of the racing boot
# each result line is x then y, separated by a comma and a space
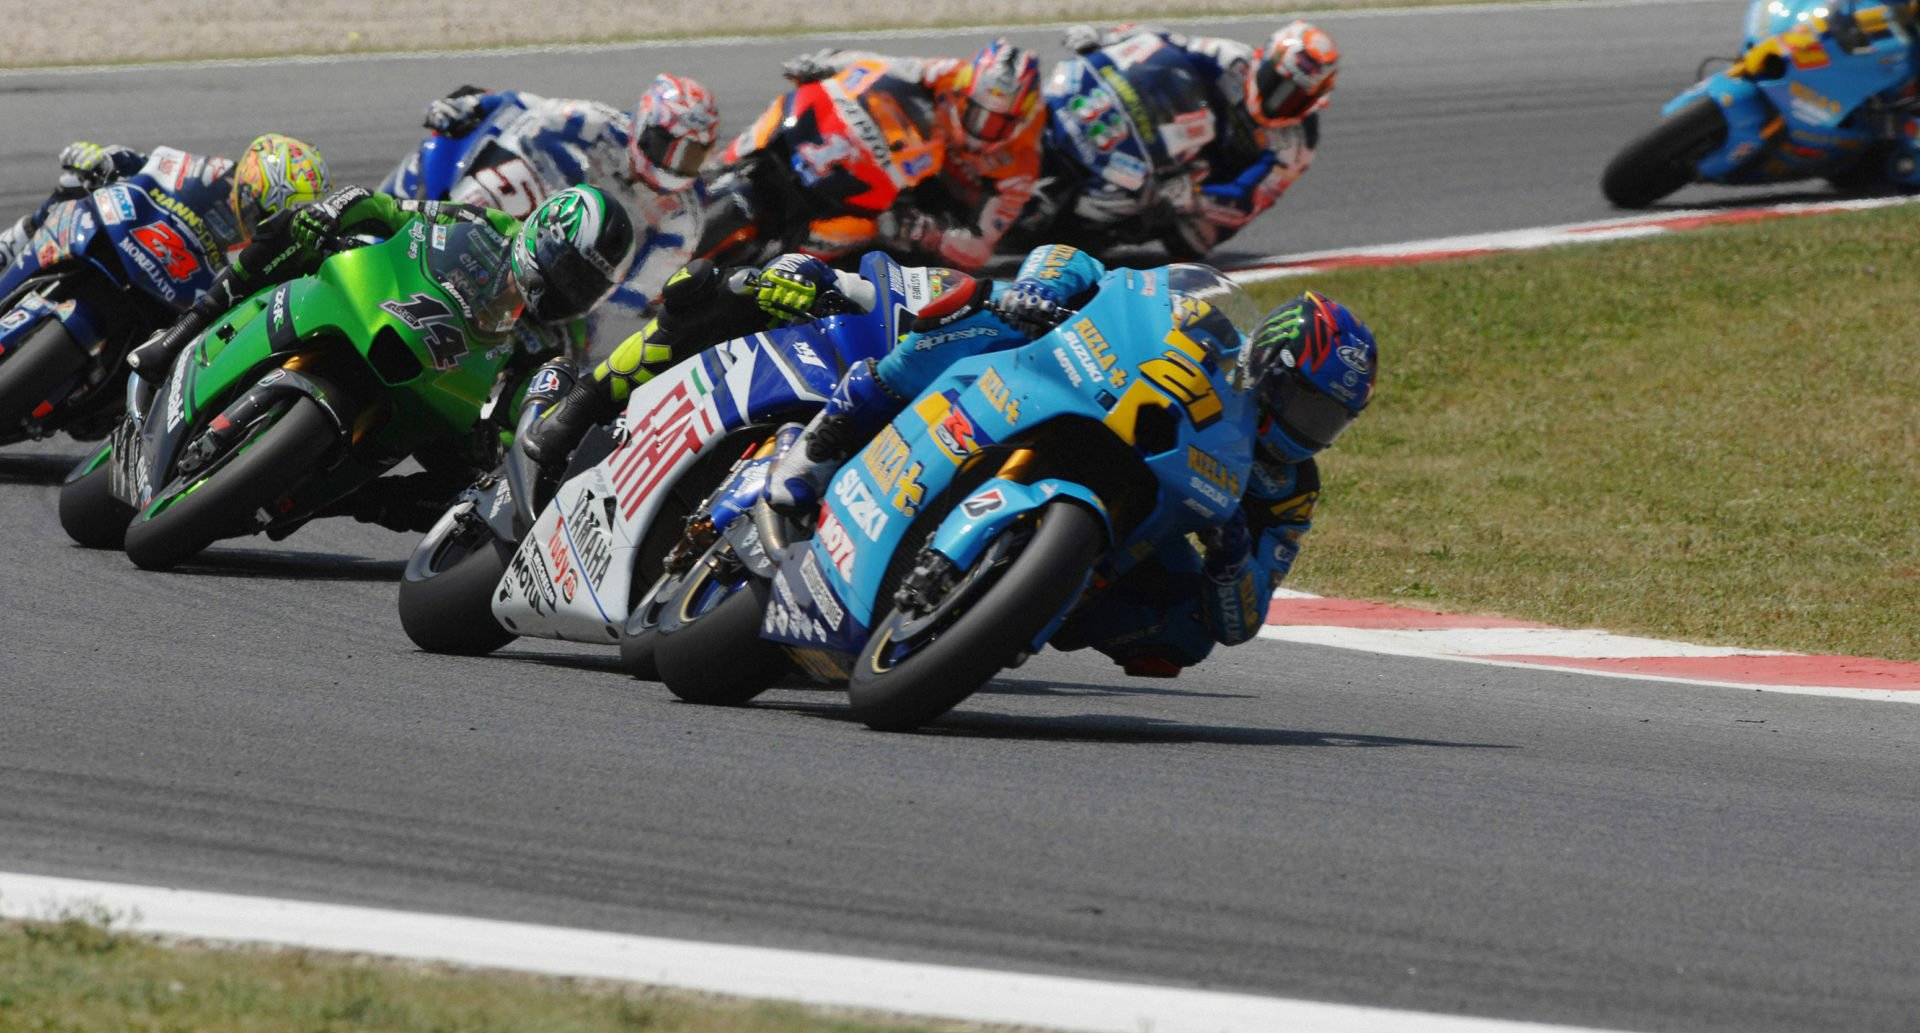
686, 317
1902, 163
860, 404
557, 427
151, 360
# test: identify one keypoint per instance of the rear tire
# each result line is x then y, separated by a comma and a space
45, 360
901, 695
448, 608
280, 458
90, 514
1663, 159
717, 657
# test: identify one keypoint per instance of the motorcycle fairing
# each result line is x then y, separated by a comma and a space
160, 249
670, 423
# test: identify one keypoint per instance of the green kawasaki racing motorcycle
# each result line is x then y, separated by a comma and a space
306, 391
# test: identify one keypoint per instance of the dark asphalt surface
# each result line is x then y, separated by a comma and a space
1284, 820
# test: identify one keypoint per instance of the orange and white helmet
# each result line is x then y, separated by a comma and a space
275, 174
999, 93
674, 126
1292, 77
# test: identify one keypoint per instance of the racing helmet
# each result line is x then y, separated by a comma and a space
571, 253
1211, 310
1292, 76
276, 173
674, 126
1312, 362
998, 93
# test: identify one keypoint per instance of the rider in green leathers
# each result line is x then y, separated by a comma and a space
567, 257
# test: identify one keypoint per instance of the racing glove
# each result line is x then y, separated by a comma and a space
787, 288
1081, 38
1031, 307
317, 225
457, 113
910, 231
812, 67
87, 166
1229, 548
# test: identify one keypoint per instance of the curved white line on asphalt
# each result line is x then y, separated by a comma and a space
829, 35
975, 995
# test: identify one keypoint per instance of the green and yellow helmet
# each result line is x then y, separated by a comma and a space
572, 252
276, 173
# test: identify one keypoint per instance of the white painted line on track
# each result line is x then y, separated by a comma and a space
1624, 227
975, 995
1570, 643
827, 35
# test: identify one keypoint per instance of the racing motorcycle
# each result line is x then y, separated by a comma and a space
306, 391
498, 165
102, 272
964, 535
819, 167
1125, 125
1812, 98
509, 163
500, 564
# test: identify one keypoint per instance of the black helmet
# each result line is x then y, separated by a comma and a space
571, 253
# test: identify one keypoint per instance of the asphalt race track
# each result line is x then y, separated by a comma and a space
1284, 820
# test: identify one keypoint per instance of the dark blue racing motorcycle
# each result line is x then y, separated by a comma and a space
104, 270
1818, 91
1124, 126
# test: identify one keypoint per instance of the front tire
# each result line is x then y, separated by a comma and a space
30, 373
893, 693
1664, 158
711, 652
90, 514
446, 598
640, 638
222, 504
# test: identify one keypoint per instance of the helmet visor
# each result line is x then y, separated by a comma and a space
680, 155
984, 123
1305, 414
566, 282
1283, 97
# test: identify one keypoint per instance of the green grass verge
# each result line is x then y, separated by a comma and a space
1713, 436
82, 975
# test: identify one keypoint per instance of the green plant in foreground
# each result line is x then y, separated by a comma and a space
83, 972
1710, 436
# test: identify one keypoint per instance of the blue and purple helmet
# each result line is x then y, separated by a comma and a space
1313, 362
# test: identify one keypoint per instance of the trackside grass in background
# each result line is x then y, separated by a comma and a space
84, 976
1712, 436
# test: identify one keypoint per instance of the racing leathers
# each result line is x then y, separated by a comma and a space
571, 143
961, 214
1247, 166
1165, 613
700, 306
197, 187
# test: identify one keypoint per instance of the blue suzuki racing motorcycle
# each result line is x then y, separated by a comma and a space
103, 271
1813, 98
969, 530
